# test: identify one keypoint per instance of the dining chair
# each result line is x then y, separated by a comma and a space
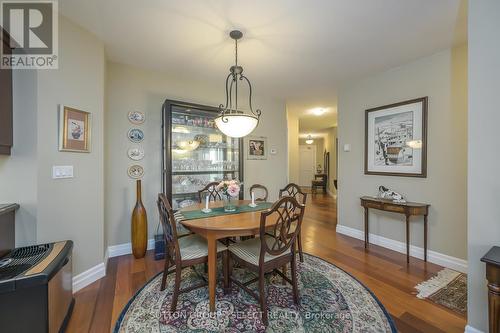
319, 181
269, 252
259, 189
293, 190
211, 191
182, 252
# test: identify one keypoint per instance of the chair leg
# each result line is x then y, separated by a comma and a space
294, 280
165, 272
175, 297
299, 243
283, 270
262, 296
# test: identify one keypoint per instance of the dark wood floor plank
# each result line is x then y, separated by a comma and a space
104, 303
383, 271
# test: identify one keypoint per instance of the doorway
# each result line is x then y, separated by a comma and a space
307, 164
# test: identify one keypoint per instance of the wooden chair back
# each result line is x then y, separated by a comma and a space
293, 190
169, 226
286, 211
211, 191
259, 189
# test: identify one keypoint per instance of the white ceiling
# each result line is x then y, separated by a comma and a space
296, 50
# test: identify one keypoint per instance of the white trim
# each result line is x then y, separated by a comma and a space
126, 248
470, 329
415, 251
99, 271
330, 193
90, 275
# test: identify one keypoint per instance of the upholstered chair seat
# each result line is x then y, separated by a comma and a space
195, 246
249, 250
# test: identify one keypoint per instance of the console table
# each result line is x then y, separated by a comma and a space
492, 260
407, 208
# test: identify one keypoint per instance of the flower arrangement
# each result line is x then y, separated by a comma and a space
230, 188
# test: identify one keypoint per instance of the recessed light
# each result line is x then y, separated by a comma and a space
318, 111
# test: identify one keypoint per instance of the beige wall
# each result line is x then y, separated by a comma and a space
484, 160
293, 147
18, 172
72, 208
129, 88
442, 77
330, 146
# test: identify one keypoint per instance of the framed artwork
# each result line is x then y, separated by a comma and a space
396, 139
257, 148
74, 130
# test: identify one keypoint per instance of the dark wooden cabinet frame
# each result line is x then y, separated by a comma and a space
166, 144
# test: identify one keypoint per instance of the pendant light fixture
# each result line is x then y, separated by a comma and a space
232, 120
309, 140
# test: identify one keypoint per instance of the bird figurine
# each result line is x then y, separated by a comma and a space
385, 193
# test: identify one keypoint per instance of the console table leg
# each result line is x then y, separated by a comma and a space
408, 238
494, 307
366, 228
425, 237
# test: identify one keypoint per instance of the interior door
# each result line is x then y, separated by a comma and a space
307, 164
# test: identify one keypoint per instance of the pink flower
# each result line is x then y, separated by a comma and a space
233, 190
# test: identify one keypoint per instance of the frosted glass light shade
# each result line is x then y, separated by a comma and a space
236, 125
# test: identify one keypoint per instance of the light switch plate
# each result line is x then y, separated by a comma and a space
347, 147
62, 171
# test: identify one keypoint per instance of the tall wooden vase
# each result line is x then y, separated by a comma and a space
139, 226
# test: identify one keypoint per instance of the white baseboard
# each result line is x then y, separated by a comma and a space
330, 193
415, 251
470, 329
99, 271
126, 248
90, 275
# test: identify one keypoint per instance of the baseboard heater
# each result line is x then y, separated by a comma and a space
36, 293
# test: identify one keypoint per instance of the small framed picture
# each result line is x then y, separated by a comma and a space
74, 130
257, 148
396, 139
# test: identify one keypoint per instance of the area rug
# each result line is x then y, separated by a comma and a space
331, 300
448, 288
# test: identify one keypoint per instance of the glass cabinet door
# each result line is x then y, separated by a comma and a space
200, 154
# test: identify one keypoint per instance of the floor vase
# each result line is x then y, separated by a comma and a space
139, 225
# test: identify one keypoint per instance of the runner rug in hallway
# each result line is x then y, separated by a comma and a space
331, 300
448, 288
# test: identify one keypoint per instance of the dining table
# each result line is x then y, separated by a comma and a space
217, 225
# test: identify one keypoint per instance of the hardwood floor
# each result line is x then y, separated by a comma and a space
383, 271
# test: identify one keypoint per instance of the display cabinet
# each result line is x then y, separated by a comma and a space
195, 152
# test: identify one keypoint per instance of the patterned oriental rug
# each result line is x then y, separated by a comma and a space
448, 288
331, 300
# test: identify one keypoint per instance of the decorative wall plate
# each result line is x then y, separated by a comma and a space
136, 117
135, 153
135, 135
135, 171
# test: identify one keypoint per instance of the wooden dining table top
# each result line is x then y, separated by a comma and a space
238, 222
